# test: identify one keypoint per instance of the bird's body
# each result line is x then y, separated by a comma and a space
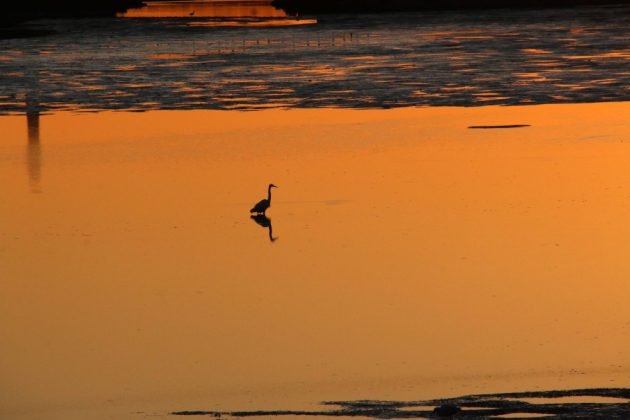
262, 206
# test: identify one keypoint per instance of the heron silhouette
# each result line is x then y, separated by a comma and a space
265, 222
262, 206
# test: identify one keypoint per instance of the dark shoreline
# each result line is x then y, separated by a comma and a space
15, 21
472, 406
378, 6
15, 14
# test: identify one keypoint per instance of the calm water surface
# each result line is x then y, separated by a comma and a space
414, 257
248, 55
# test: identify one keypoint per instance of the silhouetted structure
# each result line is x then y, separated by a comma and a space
262, 206
265, 222
375, 6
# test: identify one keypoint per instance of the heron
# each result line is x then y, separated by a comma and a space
262, 206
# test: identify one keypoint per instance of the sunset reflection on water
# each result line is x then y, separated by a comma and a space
417, 258
257, 13
239, 8
382, 61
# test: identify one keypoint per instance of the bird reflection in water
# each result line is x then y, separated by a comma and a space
265, 222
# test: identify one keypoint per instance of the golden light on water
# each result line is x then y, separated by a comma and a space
414, 257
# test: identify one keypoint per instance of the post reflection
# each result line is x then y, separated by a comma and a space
265, 222
33, 148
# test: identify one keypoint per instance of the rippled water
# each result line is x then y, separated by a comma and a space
499, 57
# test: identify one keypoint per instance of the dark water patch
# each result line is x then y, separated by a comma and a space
498, 126
23, 31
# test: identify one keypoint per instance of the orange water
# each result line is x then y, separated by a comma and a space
415, 258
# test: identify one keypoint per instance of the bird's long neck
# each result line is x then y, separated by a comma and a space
269, 194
